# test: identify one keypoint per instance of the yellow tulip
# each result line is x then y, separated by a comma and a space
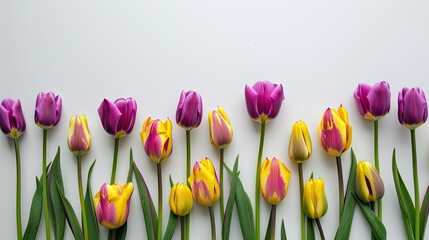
369, 186
315, 204
300, 147
180, 199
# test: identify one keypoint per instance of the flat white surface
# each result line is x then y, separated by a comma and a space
152, 50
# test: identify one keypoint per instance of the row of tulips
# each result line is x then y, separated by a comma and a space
110, 205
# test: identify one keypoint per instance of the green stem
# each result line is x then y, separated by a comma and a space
377, 166
222, 209
158, 168
212, 223
273, 222
44, 187
188, 173
257, 184
182, 228
82, 201
319, 226
115, 161
18, 189
416, 185
112, 234
340, 186
301, 192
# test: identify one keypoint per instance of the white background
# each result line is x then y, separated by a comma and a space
152, 50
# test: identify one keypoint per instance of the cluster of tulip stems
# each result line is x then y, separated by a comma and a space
110, 205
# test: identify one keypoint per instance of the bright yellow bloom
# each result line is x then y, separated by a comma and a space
204, 183
220, 128
315, 204
79, 139
369, 186
300, 147
274, 180
180, 199
157, 139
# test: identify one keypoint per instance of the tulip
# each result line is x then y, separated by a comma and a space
412, 107
180, 199
263, 100
189, 110
315, 203
274, 180
335, 133
369, 185
204, 183
12, 122
79, 140
373, 102
220, 128
112, 204
300, 147
156, 137
48, 110
118, 118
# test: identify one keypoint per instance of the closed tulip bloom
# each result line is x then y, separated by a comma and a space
315, 204
189, 110
274, 180
118, 118
220, 128
157, 139
79, 139
112, 204
412, 107
180, 199
204, 183
373, 102
369, 185
300, 147
263, 100
12, 122
48, 110
335, 133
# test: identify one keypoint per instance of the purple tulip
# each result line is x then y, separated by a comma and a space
412, 107
189, 110
12, 122
264, 100
118, 118
373, 102
48, 110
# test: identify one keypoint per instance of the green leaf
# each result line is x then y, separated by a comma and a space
58, 219
226, 226
93, 230
149, 212
70, 216
405, 203
268, 232
310, 229
344, 227
283, 231
424, 213
171, 226
130, 170
245, 212
35, 213
377, 228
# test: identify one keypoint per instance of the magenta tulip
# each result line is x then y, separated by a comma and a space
118, 118
189, 110
263, 100
373, 102
412, 107
12, 122
48, 110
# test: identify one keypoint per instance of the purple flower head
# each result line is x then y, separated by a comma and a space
263, 100
12, 122
189, 110
118, 118
412, 107
373, 102
48, 110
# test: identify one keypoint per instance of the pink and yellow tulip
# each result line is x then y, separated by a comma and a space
274, 180
79, 139
220, 128
156, 137
204, 183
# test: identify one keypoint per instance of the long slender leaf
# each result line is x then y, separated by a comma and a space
71, 217
377, 228
93, 230
245, 212
424, 213
57, 216
310, 229
35, 213
226, 226
171, 226
283, 231
149, 212
404, 199
343, 231
268, 232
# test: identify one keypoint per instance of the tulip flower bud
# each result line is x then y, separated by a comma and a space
263, 100
118, 118
220, 128
78, 139
48, 110
204, 183
274, 180
373, 102
12, 122
335, 133
157, 140
300, 147
189, 110
412, 107
180, 199
369, 186
315, 204
112, 204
